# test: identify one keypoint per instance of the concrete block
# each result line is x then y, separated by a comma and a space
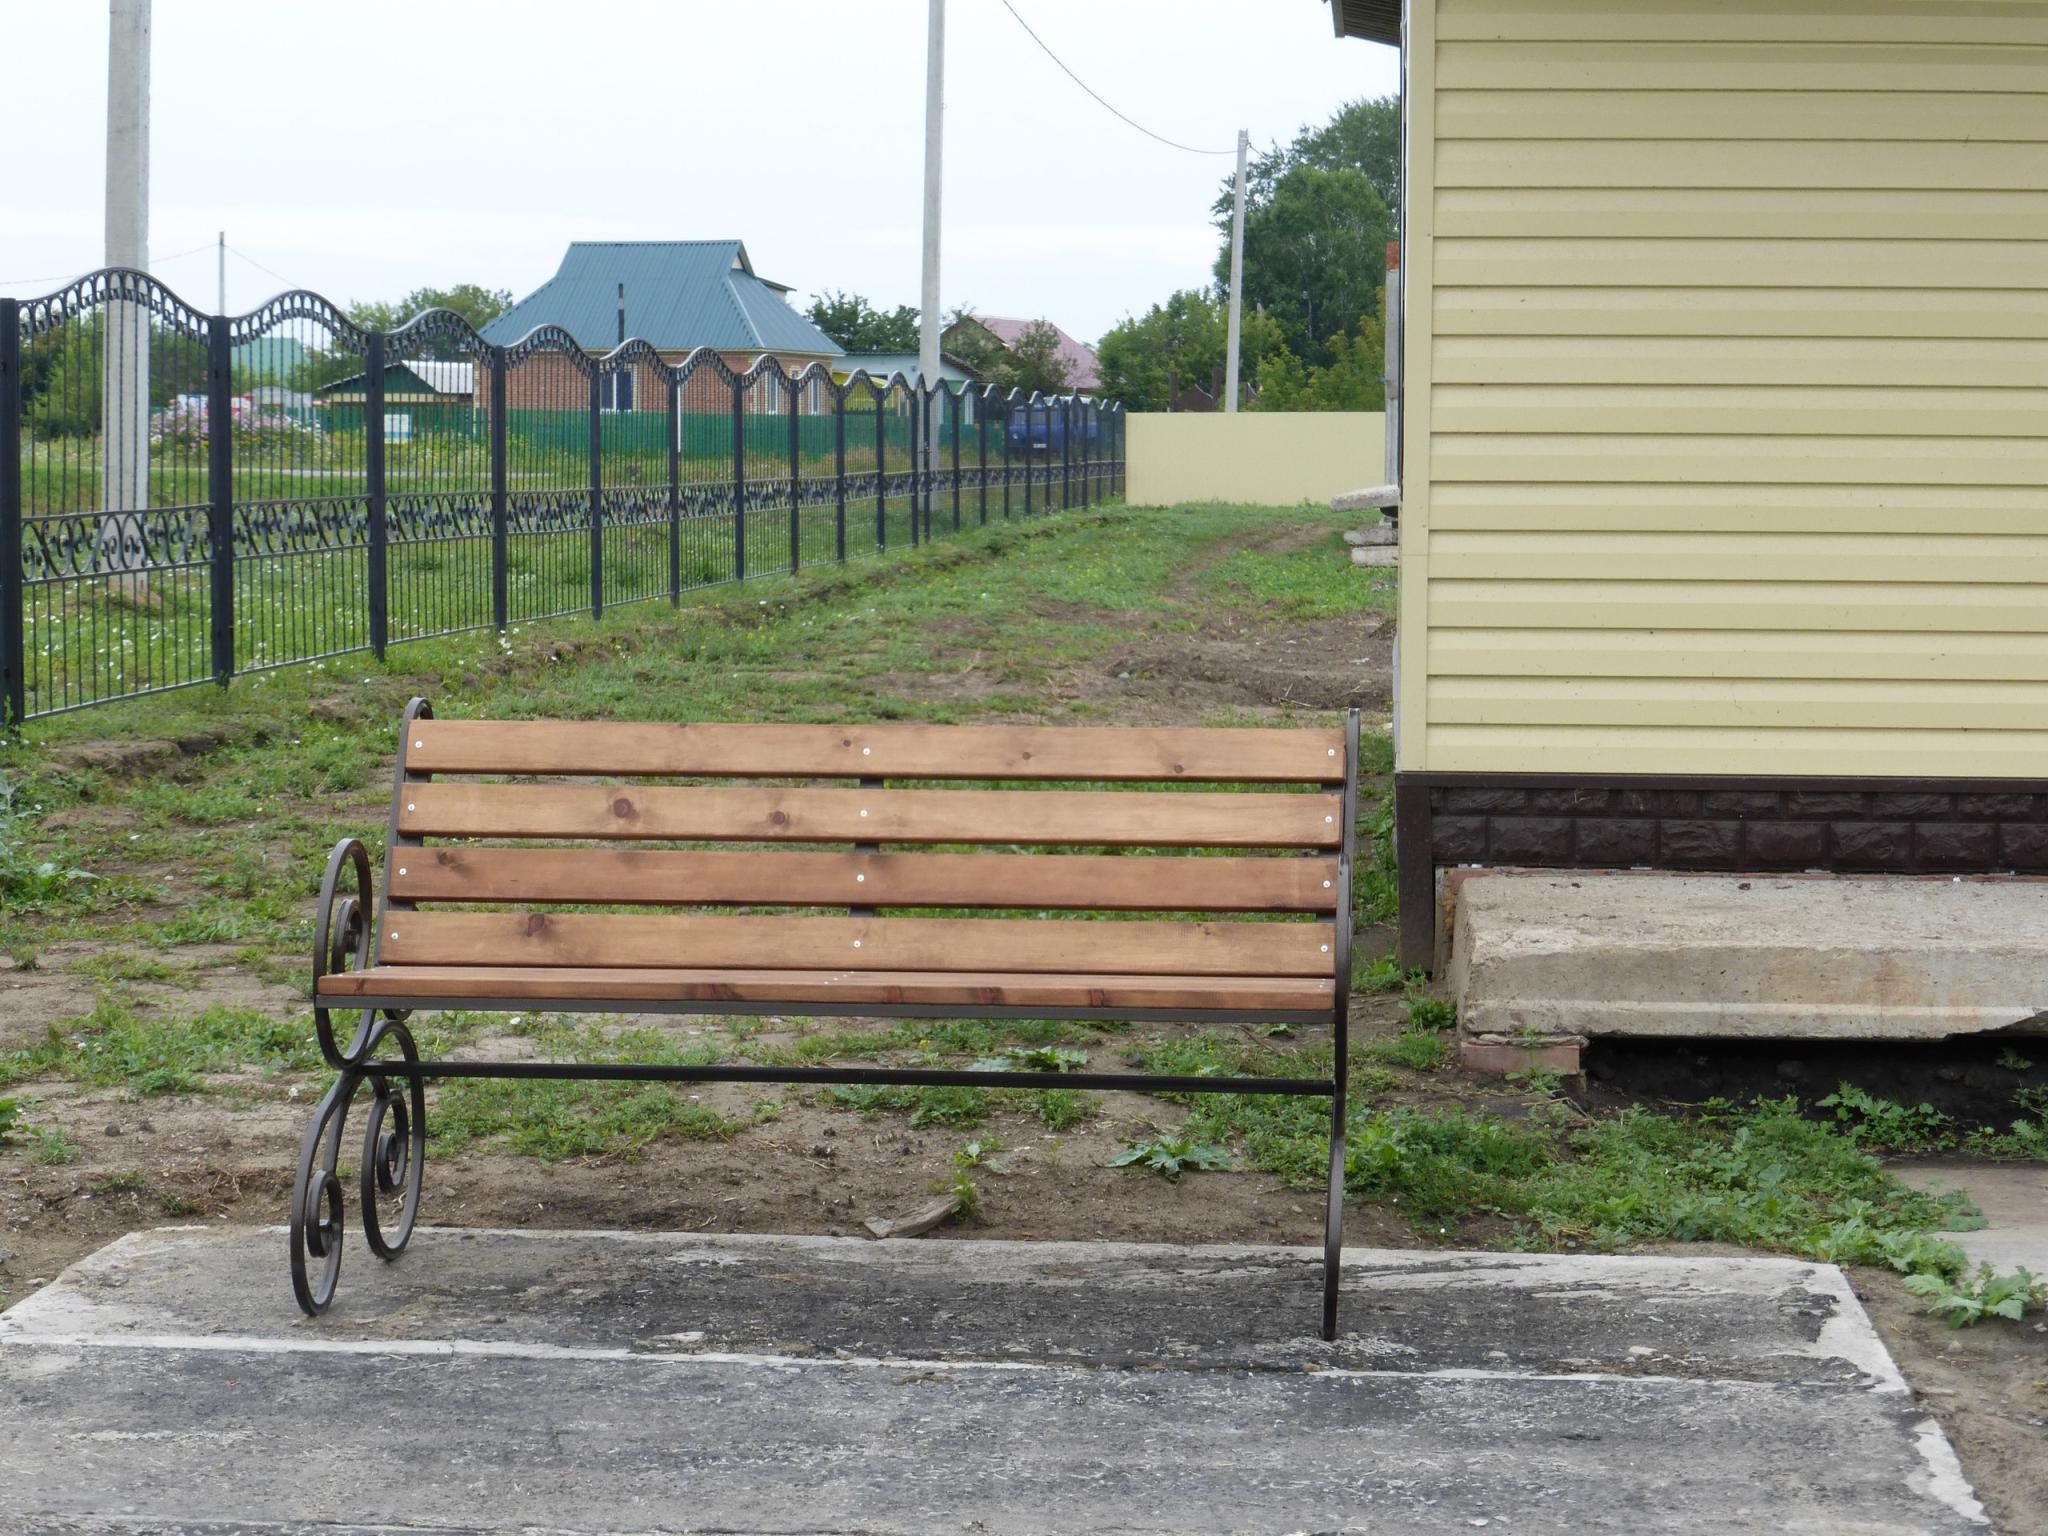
1382, 556
1377, 533
1505, 1058
1371, 497
1562, 954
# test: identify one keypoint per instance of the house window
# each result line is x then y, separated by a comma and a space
770, 392
615, 390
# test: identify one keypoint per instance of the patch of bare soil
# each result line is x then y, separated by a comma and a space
62, 986
815, 1167
1245, 666
1987, 1385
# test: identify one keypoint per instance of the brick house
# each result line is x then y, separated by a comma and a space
676, 295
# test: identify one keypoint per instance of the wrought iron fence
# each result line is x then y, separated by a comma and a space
186, 496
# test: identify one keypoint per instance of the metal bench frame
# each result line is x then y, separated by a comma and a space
394, 1138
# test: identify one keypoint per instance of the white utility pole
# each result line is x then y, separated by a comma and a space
1236, 276
220, 259
124, 480
934, 149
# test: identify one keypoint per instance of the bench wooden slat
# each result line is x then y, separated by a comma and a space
633, 749
571, 987
591, 939
690, 877
1105, 818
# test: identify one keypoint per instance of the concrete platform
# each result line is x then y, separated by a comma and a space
583, 1382
2013, 1198
1589, 954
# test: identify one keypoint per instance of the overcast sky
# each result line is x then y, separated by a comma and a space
366, 148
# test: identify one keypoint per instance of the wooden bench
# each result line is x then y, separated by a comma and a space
557, 866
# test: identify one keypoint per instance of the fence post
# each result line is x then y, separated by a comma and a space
501, 532
1030, 469
1087, 463
794, 447
13, 657
956, 401
1008, 402
981, 449
1065, 455
596, 493
675, 491
220, 491
919, 452
739, 481
881, 479
373, 486
839, 473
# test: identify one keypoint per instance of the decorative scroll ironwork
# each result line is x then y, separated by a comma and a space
393, 1155
309, 525
70, 546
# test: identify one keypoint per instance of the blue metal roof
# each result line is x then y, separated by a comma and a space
679, 294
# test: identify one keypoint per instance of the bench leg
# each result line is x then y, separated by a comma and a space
390, 1168
1333, 1218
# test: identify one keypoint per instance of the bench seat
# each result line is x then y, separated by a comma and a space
580, 987
1198, 877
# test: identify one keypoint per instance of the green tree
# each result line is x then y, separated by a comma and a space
1364, 136
1031, 362
1147, 360
858, 326
975, 347
1036, 361
1315, 256
475, 303
1350, 381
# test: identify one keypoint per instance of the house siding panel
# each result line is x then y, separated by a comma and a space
1728, 367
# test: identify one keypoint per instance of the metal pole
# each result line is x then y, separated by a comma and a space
934, 147
1230, 390
374, 491
839, 473
220, 493
596, 493
955, 401
501, 563
795, 470
13, 658
881, 479
739, 481
981, 446
675, 488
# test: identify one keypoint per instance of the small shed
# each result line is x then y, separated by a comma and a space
1724, 466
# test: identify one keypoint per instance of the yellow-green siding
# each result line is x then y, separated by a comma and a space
1727, 375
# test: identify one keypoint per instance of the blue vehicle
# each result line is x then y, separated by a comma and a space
1043, 428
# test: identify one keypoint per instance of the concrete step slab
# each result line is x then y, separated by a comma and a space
1366, 498
1379, 556
1590, 954
1378, 533
585, 1383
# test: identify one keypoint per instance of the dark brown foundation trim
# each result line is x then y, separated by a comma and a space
1706, 822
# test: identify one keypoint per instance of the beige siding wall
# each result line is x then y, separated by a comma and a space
1728, 383
1268, 458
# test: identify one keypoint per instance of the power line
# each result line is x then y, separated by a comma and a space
245, 256
1162, 138
65, 277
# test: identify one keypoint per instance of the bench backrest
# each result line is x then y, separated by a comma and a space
498, 825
